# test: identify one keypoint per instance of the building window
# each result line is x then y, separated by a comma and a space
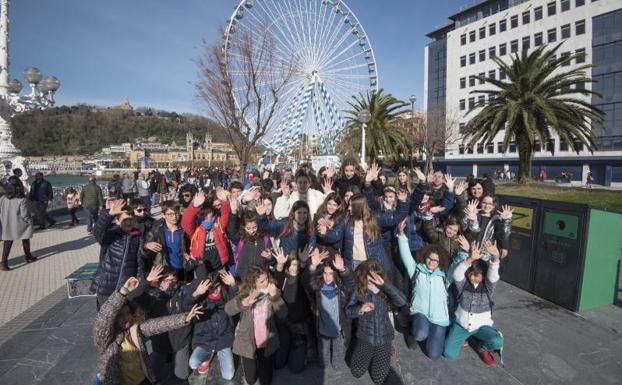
500, 147
512, 146
461, 127
481, 77
490, 148
501, 74
565, 56
471, 103
482, 33
565, 5
480, 148
492, 74
552, 58
526, 17
514, 46
462, 82
550, 145
579, 3
552, 35
472, 36
463, 39
492, 29
503, 49
579, 145
580, 55
579, 27
470, 150
481, 100
565, 31
551, 8
563, 146
536, 146
472, 58
537, 13
462, 105
514, 21
482, 55
526, 41
462, 61
502, 25
537, 39
492, 51
461, 149
471, 81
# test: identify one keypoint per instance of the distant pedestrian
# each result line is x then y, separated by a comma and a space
128, 187
72, 199
42, 195
590, 180
16, 220
92, 199
142, 189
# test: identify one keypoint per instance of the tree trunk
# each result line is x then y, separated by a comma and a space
524, 158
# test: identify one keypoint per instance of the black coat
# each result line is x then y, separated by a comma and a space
119, 257
214, 330
156, 234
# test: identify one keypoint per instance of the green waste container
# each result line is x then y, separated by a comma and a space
568, 254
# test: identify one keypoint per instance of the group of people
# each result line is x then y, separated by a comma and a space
289, 270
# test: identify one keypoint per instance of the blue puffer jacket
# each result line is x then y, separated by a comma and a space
375, 327
374, 250
333, 237
415, 241
429, 294
387, 219
119, 257
297, 240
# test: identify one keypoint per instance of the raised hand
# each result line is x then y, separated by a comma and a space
227, 278
305, 254
317, 257
430, 177
375, 279
261, 208
234, 204
251, 299
475, 251
420, 174
327, 185
464, 243
372, 173
266, 254
437, 209
449, 182
471, 210
202, 288
131, 284
116, 206
506, 212
222, 194
367, 307
199, 199
402, 226
156, 273
491, 248
280, 256
460, 187
338, 263
195, 312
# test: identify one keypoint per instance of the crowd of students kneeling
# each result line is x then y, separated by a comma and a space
284, 276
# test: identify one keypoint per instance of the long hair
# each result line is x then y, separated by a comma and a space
249, 217
363, 270
322, 211
409, 184
362, 212
349, 162
290, 226
426, 251
138, 317
248, 284
318, 276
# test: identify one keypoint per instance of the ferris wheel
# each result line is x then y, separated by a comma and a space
331, 56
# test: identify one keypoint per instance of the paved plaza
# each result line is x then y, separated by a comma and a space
45, 338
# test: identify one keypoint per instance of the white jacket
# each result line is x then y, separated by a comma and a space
283, 205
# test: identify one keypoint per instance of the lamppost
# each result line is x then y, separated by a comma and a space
41, 95
413, 100
363, 117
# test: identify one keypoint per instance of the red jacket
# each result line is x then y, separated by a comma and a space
197, 233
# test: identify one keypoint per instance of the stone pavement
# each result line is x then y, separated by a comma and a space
46, 337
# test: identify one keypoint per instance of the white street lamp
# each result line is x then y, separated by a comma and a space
363, 117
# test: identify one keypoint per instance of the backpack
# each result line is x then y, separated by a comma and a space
238, 250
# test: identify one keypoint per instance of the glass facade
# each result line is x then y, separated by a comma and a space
437, 72
483, 10
607, 74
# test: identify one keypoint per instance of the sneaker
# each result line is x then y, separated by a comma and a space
486, 356
204, 367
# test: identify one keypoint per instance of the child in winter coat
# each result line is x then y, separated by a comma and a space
330, 284
370, 303
213, 331
256, 338
428, 298
252, 246
294, 232
476, 281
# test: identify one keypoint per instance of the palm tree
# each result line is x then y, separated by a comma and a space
383, 137
537, 101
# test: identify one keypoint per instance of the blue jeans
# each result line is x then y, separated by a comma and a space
225, 358
92, 212
433, 334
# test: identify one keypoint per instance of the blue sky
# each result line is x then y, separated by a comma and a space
104, 50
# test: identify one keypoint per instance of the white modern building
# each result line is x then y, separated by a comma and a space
462, 49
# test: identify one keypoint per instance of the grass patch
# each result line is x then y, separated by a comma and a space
603, 199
